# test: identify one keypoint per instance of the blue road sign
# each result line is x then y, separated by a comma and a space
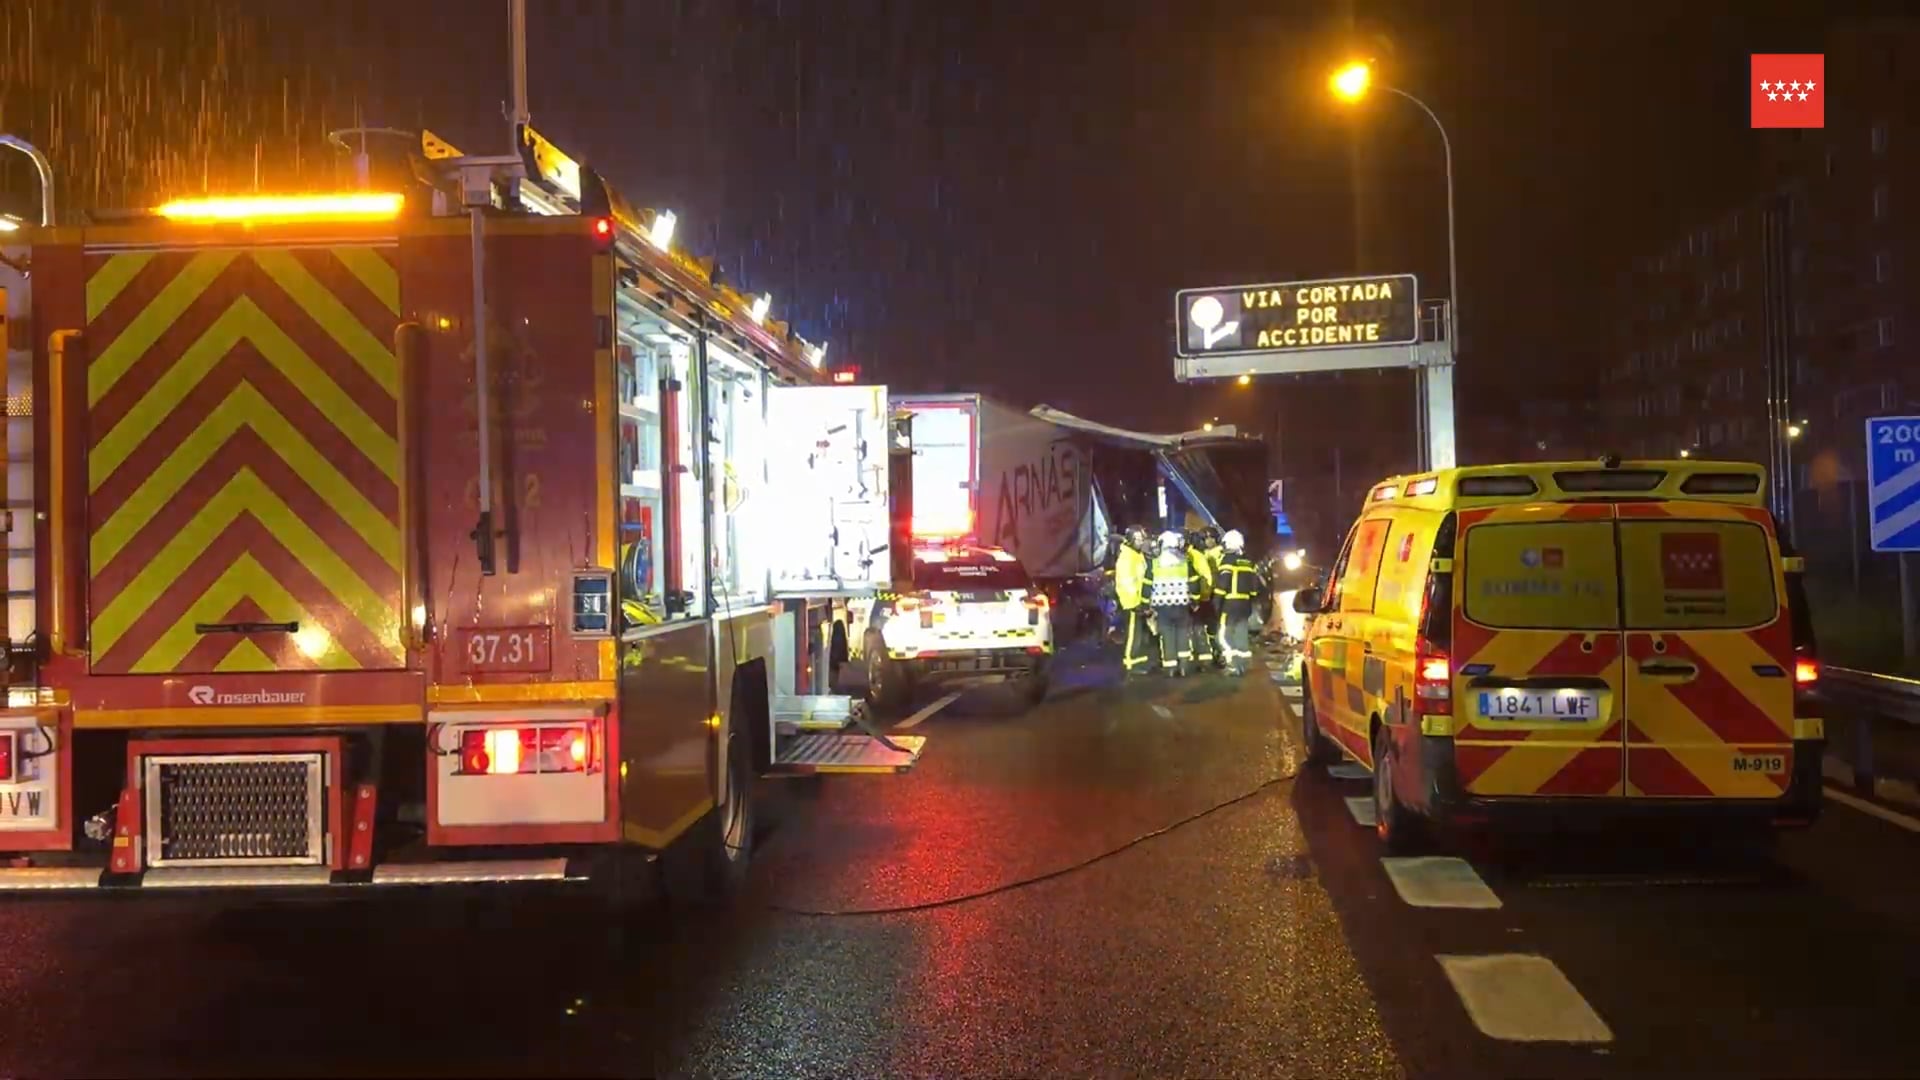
1893, 482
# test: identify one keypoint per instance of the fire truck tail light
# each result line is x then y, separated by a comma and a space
513, 751
6, 756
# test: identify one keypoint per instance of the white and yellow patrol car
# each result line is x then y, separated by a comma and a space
972, 614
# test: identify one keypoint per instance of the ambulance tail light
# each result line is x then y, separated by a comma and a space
1806, 651
1432, 657
1806, 682
517, 751
1433, 679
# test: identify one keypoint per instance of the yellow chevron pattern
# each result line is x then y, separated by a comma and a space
194, 349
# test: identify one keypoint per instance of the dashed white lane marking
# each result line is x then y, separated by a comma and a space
1348, 771
1520, 997
1361, 807
1437, 881
1893, 817
1290, 689
926, 713
1162, 712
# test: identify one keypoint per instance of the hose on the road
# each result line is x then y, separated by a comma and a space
1021, 883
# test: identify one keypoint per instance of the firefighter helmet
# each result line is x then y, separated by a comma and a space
1233, 541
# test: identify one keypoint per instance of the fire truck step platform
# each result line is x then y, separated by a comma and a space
845, 752
816, 712
475, 871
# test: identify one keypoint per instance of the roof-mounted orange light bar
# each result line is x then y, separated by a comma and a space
356, 206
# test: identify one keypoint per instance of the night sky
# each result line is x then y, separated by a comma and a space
988, 195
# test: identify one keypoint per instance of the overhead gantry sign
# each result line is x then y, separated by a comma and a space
1303, 327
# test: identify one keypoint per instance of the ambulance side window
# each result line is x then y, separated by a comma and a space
1362, 574
1331, 601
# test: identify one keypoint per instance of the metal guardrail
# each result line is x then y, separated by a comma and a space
1883, 695
1873, 695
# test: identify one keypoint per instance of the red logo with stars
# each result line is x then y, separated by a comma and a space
1691, 560
1788, 90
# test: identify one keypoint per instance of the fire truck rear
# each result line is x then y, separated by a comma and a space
295, 615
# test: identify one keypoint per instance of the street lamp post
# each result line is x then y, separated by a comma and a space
1351, 84
1794, 430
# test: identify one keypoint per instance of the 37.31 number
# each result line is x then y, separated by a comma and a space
518, 649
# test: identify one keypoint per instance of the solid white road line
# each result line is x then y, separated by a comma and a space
1361, 807
917, 718
1348, 770
1519, 997
1893, 817
1437, 881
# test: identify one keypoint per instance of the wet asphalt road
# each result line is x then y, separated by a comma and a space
1263, 939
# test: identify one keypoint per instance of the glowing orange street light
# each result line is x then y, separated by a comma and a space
1350, 83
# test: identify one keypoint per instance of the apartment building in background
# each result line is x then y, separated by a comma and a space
1771, 332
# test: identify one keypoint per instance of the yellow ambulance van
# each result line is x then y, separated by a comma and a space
1523, 641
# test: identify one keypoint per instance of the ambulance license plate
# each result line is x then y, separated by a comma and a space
1569, 705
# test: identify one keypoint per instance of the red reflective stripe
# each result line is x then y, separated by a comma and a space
1593, 771
1471, 762
1569, 658
1717, 702
1657, 772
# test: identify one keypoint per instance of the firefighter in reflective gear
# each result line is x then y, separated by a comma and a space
1237, 584
1129, 589
1207, 553
1173, 585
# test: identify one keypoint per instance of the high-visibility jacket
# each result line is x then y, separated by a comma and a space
1172, 581
1203, 569
1130, 577
1238, 579
1215, 555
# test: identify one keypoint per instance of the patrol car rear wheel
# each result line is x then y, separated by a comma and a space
1398, 829
1319, 749
889, 683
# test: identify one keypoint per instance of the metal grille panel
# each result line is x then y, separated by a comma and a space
236, 809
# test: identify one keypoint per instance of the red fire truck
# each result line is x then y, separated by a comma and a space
285, 611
